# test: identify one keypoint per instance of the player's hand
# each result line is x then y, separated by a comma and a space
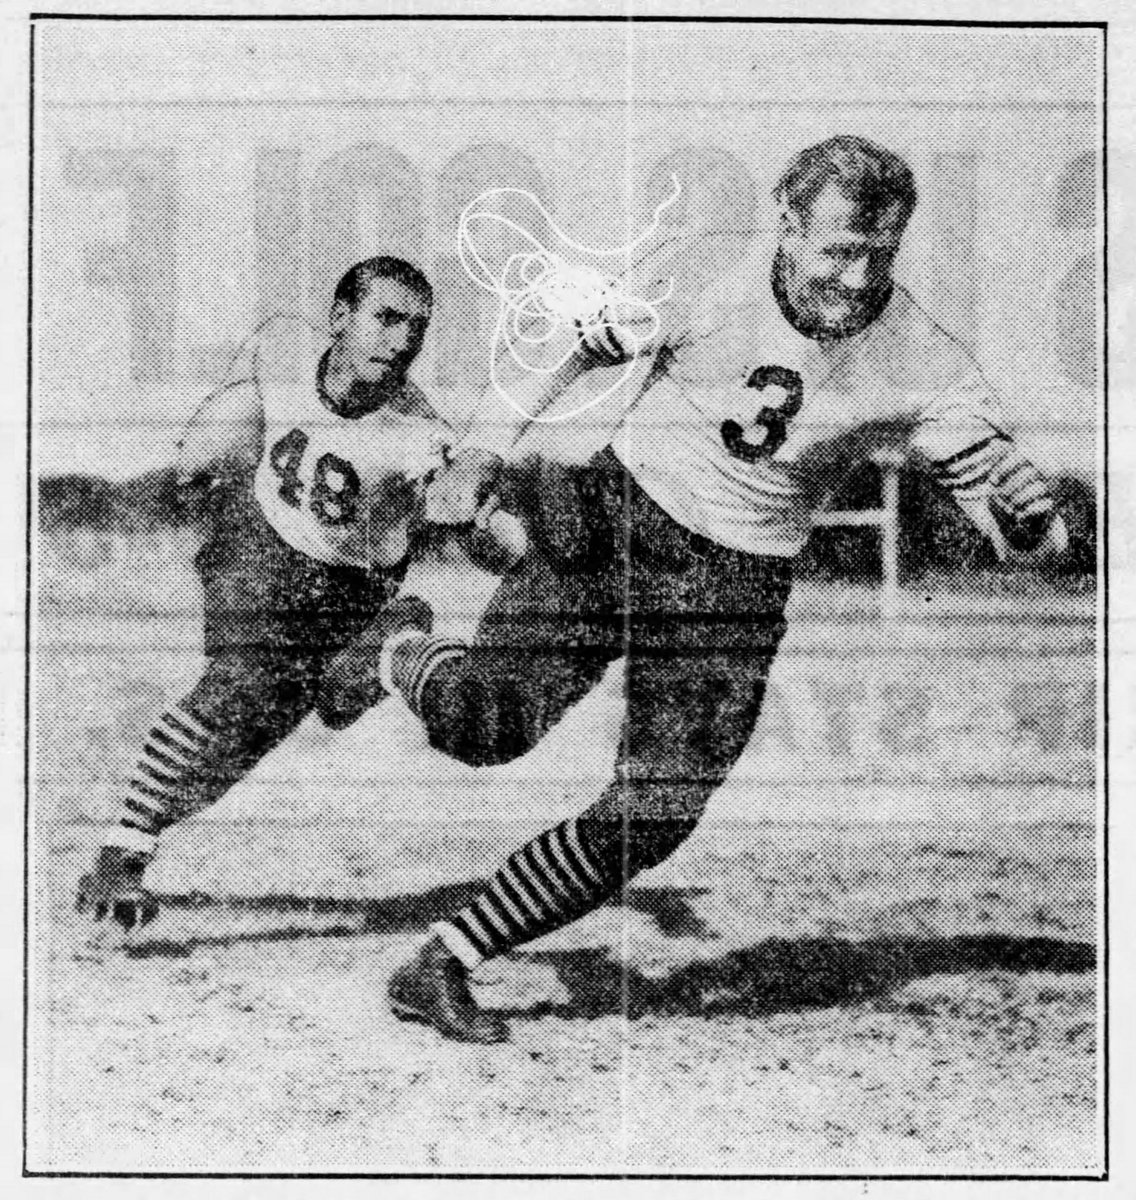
497, 541
113, 889
459, 491
600, 344
1021, 501
614, 336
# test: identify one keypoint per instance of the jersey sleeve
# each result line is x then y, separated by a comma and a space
223, 435
228, 425
962, 437
956, 420
284, 351
957, 433
960, 433
241, 367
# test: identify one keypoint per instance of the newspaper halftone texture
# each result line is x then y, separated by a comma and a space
565, 599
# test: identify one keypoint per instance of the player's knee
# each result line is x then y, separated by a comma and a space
622, 848
249, 684
636, 825
468, 748
333, 710
345, 692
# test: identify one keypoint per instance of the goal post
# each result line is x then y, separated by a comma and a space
885, 518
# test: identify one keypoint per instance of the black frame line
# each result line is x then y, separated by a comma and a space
1103, 527
28, 606
565, 18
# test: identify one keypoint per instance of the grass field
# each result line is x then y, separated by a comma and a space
876, 955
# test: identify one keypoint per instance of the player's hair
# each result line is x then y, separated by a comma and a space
869, 175
352, 288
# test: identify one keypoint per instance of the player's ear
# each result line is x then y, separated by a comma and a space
789, 222
340, 315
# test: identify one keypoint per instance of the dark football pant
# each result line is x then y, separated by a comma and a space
274, 620
609, 575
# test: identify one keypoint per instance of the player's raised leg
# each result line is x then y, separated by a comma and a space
541, 645
700, 632
691, 710
550, 630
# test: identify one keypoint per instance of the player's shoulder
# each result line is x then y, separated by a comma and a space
913, 352
733, 315
284, 348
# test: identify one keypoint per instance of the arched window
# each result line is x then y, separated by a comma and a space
464, 312
719, 202
366, 200
1074, 305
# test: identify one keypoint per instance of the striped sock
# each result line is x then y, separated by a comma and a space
172, 756
543, 886
414, 658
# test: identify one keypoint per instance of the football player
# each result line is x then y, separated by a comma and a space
307, 470
673, 547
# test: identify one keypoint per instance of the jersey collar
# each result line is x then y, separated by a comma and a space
392, 401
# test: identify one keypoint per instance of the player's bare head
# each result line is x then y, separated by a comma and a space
352, 289
379, 316
844, 204
877, 183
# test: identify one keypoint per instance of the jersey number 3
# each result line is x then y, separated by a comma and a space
335, 484
770, 427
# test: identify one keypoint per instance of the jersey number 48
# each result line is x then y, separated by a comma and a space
334, 494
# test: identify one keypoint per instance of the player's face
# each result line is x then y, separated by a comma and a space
837, 265
381, 337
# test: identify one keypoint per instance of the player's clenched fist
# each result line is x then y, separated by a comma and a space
616, 334
600, 342
460, 489
1021, 501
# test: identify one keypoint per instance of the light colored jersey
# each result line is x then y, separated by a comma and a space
342, 490
745, 426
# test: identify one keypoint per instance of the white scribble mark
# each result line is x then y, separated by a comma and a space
541, 292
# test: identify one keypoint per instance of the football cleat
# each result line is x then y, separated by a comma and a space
352, 684
433, 989
114, 889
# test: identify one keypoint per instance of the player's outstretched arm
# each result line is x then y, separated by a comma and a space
223, 440
583, 324
523, 388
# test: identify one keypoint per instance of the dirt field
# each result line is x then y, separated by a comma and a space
874, 969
